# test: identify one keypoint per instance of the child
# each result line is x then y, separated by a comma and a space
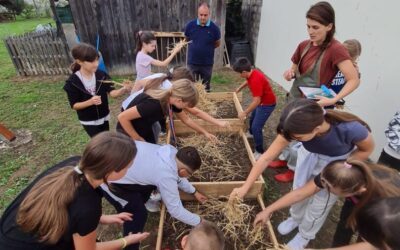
358, 181
325, 136
154, 104
87, 94
161, 167
61, 208
205, 236
263, 103
390, 155
353, 46
165, 81
145, 44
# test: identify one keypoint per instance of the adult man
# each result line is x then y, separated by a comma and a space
205, 37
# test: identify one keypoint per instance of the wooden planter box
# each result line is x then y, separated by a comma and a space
163, 214
224, 188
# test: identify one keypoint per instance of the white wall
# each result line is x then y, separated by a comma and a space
374, 23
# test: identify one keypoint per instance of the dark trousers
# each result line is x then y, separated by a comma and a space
389, 161
136, 196
203, 72
258, 118
163, 124
94, 130
343, 233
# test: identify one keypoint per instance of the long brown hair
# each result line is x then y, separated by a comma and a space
182, 88
323, 13
379, 223
349, 177
83, 52
177, 74
44, 210
302, 116
143, 37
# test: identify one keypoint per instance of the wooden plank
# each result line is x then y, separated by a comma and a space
269, 225
13, 55
235, 126
237, 103
248, 148
160, 232
169, 34
223, 188
8, 134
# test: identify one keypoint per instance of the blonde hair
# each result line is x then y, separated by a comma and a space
354, 48
44, 210
183, 89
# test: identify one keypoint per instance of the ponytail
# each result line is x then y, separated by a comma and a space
302, 116
351, 176
83, 52
143, 37
155, 83
334, 116
44, 210
182, 88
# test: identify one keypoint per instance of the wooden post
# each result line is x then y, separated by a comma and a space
6, 133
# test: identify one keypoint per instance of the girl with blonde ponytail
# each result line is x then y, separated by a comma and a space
61, 208
156, 103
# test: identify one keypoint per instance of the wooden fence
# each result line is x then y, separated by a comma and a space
38, 53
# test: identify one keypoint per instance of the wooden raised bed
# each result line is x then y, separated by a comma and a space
163, 215
217, 189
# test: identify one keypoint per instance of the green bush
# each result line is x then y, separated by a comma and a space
28, 12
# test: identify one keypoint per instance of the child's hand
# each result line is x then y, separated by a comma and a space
262, 217
211, 137
116, 218
200, 197
237, 90
237, 192
223, 124
96, 100
136, 238
242, 115
127, 85
325, 101
288, 75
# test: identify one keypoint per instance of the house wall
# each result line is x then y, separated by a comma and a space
373, 23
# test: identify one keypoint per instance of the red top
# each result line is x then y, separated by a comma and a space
334, 54
259, 86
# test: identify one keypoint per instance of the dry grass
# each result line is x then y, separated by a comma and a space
223, 161
233, 218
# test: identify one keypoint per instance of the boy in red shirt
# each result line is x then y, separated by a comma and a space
263, 103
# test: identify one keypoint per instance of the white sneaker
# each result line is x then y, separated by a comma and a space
152, 206
248, 135
287, 226
155, 196
298, 242
257, 155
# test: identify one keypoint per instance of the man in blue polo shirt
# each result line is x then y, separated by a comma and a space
205, 37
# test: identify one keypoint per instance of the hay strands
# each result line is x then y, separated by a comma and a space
115, 82
182, 43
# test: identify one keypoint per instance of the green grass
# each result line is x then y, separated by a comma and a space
15, 28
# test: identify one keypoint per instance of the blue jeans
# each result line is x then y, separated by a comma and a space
258, 118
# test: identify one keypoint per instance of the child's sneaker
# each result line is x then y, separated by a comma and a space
152, 206
257, 155
298, 242
248, 135
287, 226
